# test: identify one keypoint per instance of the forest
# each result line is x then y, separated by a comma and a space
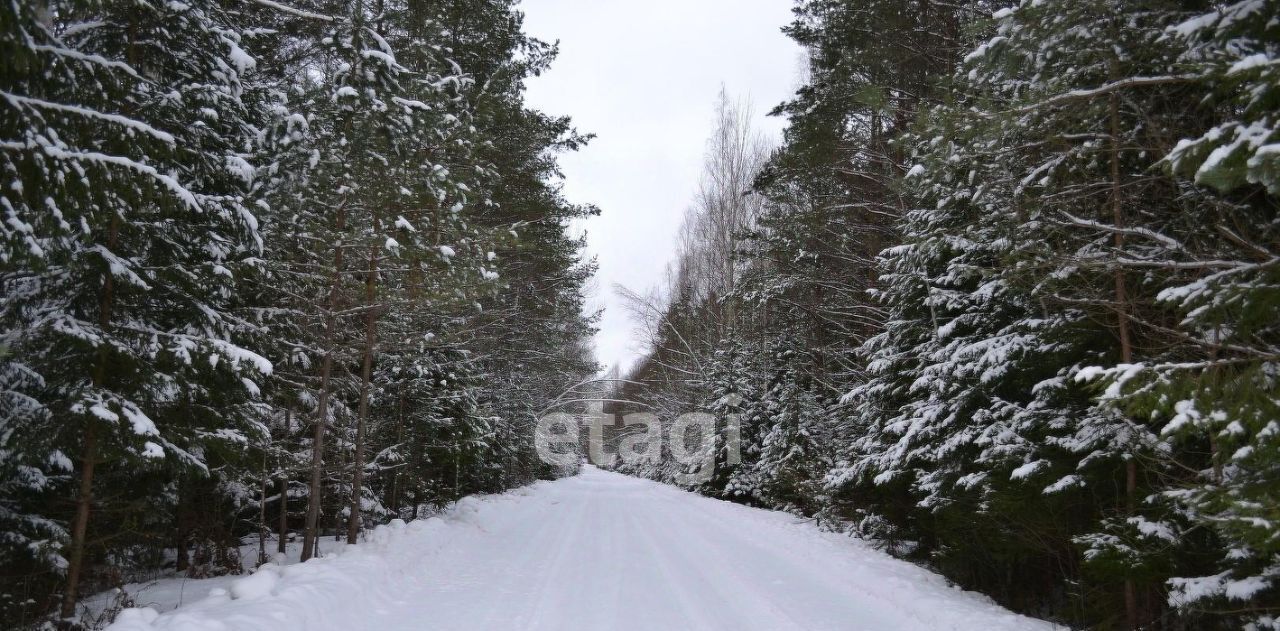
267, 268
1005, 300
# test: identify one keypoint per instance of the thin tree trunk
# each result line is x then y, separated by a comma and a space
322, 411
282, 526
262, 513
394, 500
89, 452
1126, 342
366, 370
80, 526
183, 561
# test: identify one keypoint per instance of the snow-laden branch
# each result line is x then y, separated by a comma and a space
70, 53
59, 153
136, 125
1131, 231
284, 8
1108, 88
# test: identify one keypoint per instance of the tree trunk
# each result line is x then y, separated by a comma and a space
262, 513
282, 527
394, 500
89, 453
322, 408
81, 525
1122, 328
183, 561
370, 339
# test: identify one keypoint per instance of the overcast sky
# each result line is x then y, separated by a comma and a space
644, 75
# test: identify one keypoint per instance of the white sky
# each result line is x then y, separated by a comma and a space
644, 75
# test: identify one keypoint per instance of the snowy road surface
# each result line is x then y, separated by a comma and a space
596, 551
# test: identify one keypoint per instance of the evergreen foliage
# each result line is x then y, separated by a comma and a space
1008, 307
258, 262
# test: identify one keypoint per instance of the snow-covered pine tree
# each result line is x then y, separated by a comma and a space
1092, 197
385, 138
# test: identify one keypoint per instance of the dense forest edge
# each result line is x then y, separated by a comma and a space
1005, 300
300, 267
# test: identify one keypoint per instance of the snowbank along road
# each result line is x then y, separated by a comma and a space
595, 551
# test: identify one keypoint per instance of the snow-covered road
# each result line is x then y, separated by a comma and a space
596, 551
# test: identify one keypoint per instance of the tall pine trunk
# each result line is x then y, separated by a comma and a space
262, 512
80, 526
322, 408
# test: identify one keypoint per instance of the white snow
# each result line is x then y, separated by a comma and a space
596, 551
1064, 483
259, 585
1028, 469
142, 424
1159, 530
237, 354
168, 181
243, 61
404, 224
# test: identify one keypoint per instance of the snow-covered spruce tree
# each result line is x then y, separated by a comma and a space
1121, 233
1070, 239
31, 468
441, 441
792, 458
1217, 395
731, 390
126, 225
527, 339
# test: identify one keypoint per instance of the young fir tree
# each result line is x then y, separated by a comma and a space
731, 389
791, 458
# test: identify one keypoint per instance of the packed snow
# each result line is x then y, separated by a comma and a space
596, 551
